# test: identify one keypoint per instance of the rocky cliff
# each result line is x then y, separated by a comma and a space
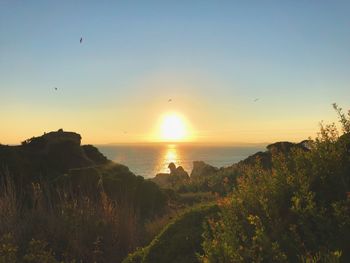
49, 155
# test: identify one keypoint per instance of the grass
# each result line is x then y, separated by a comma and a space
180, 240
68, 227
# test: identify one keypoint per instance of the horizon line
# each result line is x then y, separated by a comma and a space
183, 143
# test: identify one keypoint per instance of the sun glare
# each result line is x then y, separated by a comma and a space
173, 128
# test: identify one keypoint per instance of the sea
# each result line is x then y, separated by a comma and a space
151, 159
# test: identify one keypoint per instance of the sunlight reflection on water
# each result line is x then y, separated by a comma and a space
170, 155
148, 160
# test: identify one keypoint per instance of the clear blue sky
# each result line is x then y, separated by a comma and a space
213, 58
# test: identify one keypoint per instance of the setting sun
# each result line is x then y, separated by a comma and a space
129, 126
173, 128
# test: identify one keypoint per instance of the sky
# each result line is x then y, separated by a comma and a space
236, 71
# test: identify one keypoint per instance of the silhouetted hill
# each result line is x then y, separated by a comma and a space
94, 154
59, 160
49, 156
265, 158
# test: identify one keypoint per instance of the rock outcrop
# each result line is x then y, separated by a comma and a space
49, 156
43, 143
202, 169
176, 177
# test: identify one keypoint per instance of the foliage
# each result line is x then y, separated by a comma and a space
8, 249
39, 253
219, 182
297, 212
69, 228
72, 202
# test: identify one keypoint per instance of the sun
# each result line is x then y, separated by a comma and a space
173, 128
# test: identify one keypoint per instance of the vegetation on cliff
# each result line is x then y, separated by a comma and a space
290, 203
297, 211
63, 202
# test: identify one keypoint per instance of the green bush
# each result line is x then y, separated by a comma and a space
297, 212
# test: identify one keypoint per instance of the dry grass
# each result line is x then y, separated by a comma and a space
74, 226
9, 205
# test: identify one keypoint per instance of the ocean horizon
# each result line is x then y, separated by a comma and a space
148, 160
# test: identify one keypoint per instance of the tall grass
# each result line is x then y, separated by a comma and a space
9, 205
60, 225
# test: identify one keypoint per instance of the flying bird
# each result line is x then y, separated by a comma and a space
55, 88
256, 99
170, 100
81, 40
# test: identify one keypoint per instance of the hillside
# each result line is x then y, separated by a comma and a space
49, 156
289, 203
55, 191
179, 241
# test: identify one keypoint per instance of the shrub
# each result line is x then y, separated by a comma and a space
298, 211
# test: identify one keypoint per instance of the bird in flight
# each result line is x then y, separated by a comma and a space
256, 99
170, 100
81, 40
55, 88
